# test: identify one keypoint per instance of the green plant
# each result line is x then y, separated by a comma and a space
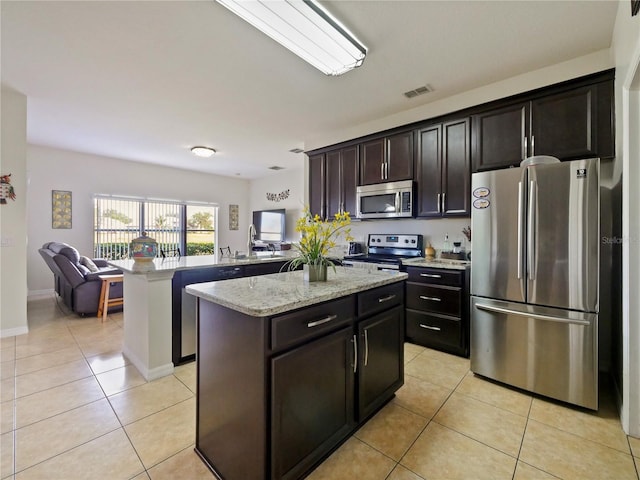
318, 238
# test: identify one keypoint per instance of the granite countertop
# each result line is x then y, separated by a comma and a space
437, 263
171, 264
276, 293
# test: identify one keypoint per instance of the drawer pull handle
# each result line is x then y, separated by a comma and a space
366, 348
430, 275
433, 299
354, 340
429, 327
387, 298
321, 321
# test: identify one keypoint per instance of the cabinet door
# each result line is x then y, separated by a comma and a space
562, 125
456, 168
312, 404
333, 183
349, 178
499, 137
317, 182
373, 162
399, 157
381, 366
429, 173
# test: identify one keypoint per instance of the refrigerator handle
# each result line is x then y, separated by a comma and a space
531, 235
520, 229
537, 316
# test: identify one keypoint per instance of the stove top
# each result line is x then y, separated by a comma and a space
389, 249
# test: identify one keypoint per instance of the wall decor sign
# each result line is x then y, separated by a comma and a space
60, 209
233, 217
6, 189
276, 197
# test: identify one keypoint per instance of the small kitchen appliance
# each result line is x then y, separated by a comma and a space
385, 200
386, 251
355, 248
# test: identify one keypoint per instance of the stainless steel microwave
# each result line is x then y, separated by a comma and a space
385, 200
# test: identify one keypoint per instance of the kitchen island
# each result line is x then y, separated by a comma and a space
288, 370
149, 301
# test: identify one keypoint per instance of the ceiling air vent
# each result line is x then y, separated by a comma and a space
276, 167
418, 91
296, 150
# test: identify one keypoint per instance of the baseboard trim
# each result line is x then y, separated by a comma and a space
148, 374
33, 294
12, 332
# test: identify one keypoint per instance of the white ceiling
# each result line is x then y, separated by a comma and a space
146, 80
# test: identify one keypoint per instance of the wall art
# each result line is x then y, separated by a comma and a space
233, 217
276, 197
6, 189
60, 209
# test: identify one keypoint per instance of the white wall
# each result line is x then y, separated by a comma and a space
13, 216
625, 51
85, 175
292, 180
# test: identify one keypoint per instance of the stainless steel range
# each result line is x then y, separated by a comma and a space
385, 252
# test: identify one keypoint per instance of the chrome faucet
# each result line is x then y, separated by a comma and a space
251, 239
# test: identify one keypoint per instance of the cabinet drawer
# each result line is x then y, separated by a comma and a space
381, 298
432, 298
308, 323
439, 276
432, 330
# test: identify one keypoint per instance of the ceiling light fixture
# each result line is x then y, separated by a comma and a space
305, 28
203, 151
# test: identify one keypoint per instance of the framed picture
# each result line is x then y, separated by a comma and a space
60, 209
635, 6
233, 217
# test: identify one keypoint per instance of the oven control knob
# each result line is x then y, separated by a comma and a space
406, 240
413, 240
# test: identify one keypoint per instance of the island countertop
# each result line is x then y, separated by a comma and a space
276, 293
172, 264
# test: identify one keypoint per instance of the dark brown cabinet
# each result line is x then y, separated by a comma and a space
317, 182
341, 181
312, 402
443, 169
381, 371
277, 394
565, 122
437, 314
387, 159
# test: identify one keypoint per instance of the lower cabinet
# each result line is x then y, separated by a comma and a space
312, 402
276, 395
437, 314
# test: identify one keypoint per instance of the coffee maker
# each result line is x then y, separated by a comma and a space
355, 248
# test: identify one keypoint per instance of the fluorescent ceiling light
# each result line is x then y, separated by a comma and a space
203, 151
305, 28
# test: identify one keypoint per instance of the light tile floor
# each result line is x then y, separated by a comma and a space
72, 407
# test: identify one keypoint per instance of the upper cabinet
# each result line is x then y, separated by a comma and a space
566, 122
387, 159
443, 169
342, 180
333, 178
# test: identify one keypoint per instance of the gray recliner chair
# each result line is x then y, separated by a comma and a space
74, 280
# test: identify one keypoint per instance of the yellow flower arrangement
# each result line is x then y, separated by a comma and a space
319, 237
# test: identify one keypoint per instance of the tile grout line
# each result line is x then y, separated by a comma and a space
524, 432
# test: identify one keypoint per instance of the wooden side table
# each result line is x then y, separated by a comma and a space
106, 302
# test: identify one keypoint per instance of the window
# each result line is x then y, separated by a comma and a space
187, 227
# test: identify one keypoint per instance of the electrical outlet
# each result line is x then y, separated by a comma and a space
7, 241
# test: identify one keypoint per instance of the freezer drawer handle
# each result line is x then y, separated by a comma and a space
387, 298
551, 318
430, 275
328, 318
429, 327
433, 299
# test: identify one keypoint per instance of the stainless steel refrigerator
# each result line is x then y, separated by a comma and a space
535, 278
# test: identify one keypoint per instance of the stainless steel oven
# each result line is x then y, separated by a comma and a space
386, 251
385, 200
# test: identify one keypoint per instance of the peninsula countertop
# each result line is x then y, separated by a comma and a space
276, 293
437, 263
172, 264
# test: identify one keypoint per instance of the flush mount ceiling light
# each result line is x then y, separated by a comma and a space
203, 151
305, 28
